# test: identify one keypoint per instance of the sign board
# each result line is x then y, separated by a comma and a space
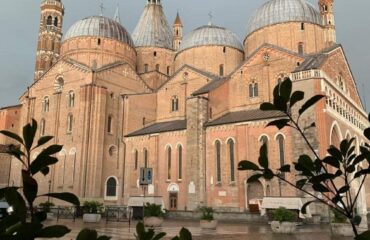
146, 176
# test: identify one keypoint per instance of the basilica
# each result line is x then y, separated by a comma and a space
183, 104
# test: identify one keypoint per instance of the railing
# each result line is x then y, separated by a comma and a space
118, 214
307, 74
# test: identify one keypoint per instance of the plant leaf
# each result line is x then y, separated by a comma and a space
43, 140
357, 220
30, 187
185, 234
87, 234
12, 135
267, 107
41, 163
247, 165
67, 197
29, 132
300, 183
332, 161
254, 178
263, 159
343, 189
280, 123
56, 231
296, 97
310, 102
320, 188
286, 89
285, 168
363, 236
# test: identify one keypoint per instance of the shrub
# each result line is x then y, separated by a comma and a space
93, 207
46, 206
153, 210
207, 213
338, 217
283, 215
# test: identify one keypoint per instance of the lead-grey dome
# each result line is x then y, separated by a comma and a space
211, 35
281, 11
99, 26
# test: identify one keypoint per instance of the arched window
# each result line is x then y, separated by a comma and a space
110, 124
136, 159
157, 68
111, 187
302, 26
218, 160
179, 159
56, 21
71, 99
46, 104
264, 140
70, 123
253, 90
49, 21
169, 162
301, 48
155, 54
175, 104
146, 68
281, 143
146, 163
42, 127
221, 70
231, 145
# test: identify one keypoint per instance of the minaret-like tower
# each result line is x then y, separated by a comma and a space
177, 32
327, 14
50, 36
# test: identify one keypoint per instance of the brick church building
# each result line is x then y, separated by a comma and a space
186, 105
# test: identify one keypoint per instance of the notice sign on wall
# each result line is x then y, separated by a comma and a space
146, 176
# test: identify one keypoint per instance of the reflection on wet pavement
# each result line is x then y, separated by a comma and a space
227, 231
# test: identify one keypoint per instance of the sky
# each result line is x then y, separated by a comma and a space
19, 21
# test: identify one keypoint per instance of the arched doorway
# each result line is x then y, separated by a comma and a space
173, 193
255, 195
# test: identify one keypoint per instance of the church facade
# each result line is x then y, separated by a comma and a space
185, 105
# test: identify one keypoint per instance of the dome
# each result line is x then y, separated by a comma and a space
281, 11
99, 26
211, 35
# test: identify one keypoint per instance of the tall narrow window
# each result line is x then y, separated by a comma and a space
221, 70
42, 127
169, 162
157, 68
231, 145
56, 22
146, 158
136, 159
280, 140
253, 90
146, 68
110, 124
179, 164
49, 21
174, 104
302, 26
111, 187
301, 48
46, 104
71, 99
168, 70
70, 123
218, 160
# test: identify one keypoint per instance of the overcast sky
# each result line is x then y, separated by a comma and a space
19, 21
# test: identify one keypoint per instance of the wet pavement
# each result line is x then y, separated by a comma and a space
229, 231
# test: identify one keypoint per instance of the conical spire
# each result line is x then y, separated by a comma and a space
178, 20
117, 16
153, 29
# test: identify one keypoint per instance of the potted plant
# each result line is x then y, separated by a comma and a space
283, 221
207, 220
340, 225
92, 211
153, 215
46, 207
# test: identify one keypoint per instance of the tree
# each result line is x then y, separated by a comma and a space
331, 176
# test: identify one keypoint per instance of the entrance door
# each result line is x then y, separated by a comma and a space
173, 201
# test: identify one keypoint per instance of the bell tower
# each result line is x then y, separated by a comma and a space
177, 32
50, 35
327, 14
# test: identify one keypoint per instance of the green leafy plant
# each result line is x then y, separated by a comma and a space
143, 234
331, 175
18, 226
153, 210
93, 207
46, 206
283, 215
207, 213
